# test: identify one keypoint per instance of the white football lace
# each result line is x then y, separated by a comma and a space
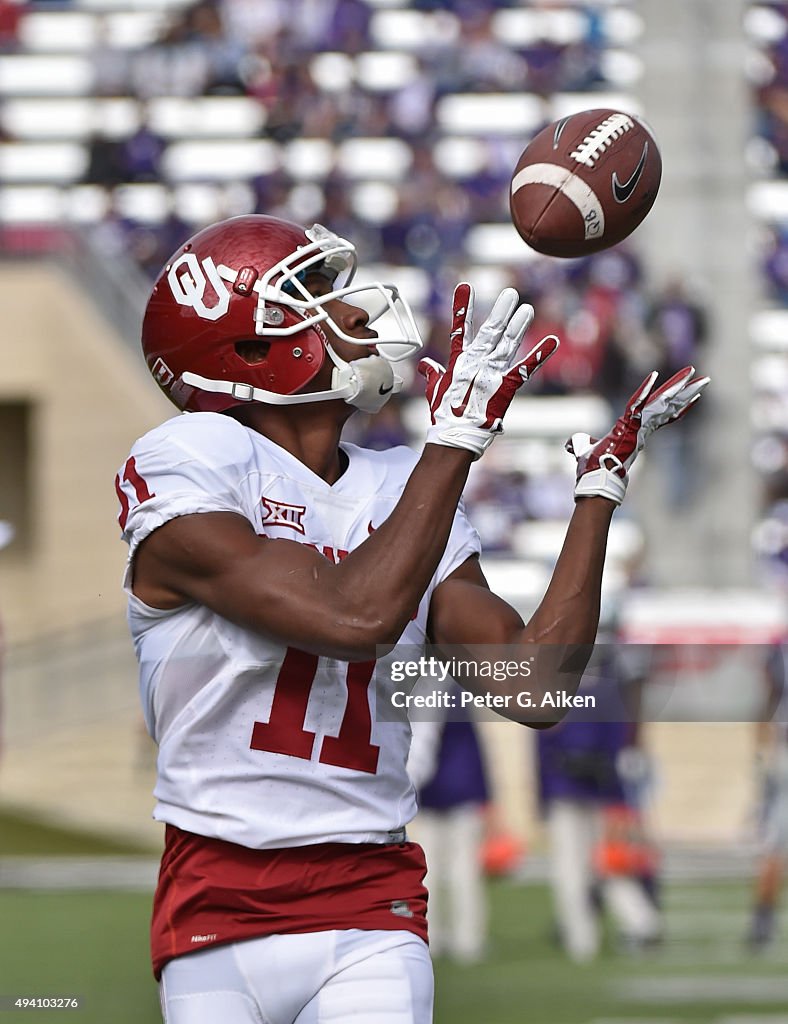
597, 141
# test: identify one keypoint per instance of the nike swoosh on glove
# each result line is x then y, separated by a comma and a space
469, 397
603, 466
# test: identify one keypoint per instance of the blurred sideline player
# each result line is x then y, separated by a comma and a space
272, 568
772, 779
446, 765
6, 536
590, 777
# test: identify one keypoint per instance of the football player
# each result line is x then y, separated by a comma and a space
272, 569
771, 770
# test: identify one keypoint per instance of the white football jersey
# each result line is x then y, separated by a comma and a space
259, 744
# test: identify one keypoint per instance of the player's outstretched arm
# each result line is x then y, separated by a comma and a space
289, 591
464, 611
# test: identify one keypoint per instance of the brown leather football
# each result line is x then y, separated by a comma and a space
585, 182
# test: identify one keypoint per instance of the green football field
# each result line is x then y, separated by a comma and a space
93, 945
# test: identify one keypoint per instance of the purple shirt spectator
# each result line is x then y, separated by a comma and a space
577, 759
460, 776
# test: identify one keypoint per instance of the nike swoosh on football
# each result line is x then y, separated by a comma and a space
622, 192
559, 131
385, 391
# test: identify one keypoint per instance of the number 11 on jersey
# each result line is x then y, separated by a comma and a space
284, 732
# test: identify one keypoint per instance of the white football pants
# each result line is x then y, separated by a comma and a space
574, 827
457, 909
335, 977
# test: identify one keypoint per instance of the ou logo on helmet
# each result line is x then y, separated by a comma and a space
188, 279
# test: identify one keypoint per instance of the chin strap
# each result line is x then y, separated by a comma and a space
367, 384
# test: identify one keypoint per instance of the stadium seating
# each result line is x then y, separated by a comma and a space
766, 25
152, 118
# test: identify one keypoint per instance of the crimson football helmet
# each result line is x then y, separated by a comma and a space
242, 280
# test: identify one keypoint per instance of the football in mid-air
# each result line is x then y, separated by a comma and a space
585, 182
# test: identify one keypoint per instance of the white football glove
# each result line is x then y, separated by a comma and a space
603, 466
469, 397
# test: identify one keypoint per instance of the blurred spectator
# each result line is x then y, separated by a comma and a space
5, 135
496, 502
295, 89
551, 307
483, 63
105, 164
447, 768
171, 67
111, 64
771, 769
410, 109
677, 326
488, 187
348, 26
271, 194
193, 56
545, 61
772, 102
254, 22
436, 342
549, 495
411, 236
111, 234
591, 771
6, 536
432, 217
205, 31
173, 232
612, 316
775, 262
337, 191
595, 306
770, 540
140, 155
144, 245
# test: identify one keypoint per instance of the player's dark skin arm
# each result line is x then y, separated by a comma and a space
463, 610
291, 592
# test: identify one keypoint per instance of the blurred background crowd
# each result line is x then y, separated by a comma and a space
373, 120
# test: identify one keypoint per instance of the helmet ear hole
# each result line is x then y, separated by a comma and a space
253, 350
